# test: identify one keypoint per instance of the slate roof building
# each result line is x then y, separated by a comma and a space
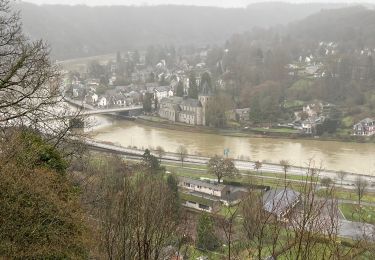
280, 202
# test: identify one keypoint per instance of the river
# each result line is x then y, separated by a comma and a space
352, 157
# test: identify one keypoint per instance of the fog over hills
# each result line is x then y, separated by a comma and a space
75, 31
217, 3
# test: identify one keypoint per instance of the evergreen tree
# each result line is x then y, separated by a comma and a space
256, 111
163, 81
151, 162
206, 83
180, 89
147, 102
151, 78
206, 237
156, 103
193, 88
172, 182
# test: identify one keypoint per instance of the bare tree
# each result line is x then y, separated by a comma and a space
257, 166
182, 154
285, 165
361, 186
30, 94
130, 228
313, 219
256, 223
326, 182
306, 228
341, 175
160, 152
227, 224
221, 167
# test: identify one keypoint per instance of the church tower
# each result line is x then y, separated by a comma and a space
204, 99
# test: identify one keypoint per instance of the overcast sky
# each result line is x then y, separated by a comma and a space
221, 3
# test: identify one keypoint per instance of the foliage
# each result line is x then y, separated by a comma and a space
328, 126
172, 181
147, 102
206, 83
180, 89
326, 182
29, 83
221, 167
193, 88
40, 215
206, 237
150, 162
139, 217
217, 108
361, 186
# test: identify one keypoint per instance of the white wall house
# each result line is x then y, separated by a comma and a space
102, 102
198, 206
94, 98
202, 187
162, 92
226, 194
366, 127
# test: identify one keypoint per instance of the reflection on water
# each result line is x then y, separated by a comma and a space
333, 155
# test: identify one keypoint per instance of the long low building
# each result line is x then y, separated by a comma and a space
211, 191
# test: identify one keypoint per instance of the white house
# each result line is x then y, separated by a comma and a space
213, 191
94, 98
208, 188
366, 127
162, 92
102, 102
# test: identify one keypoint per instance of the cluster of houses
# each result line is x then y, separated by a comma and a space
311, 65
365, 127
117, 96
307, 119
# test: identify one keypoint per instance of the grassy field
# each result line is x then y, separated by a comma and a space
358, 213
202, 169
188, 197
276, 130
349, 195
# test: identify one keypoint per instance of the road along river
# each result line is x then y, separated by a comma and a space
351, 157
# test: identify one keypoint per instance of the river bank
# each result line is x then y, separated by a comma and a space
249, 133
347, 156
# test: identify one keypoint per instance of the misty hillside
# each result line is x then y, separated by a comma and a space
351, 27
75, 31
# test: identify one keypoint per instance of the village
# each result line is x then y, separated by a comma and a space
183, 92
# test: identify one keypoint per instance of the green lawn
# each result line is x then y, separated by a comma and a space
358, 213
193, 170
293, 103
188, 197
348, 195
276, 130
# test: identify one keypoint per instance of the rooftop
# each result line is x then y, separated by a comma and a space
279, 201
191, 102
205, 184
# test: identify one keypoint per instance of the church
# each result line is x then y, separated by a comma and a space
184, 110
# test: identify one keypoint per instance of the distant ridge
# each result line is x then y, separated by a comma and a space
78, 31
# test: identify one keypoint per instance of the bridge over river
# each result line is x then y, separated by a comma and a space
90, 110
